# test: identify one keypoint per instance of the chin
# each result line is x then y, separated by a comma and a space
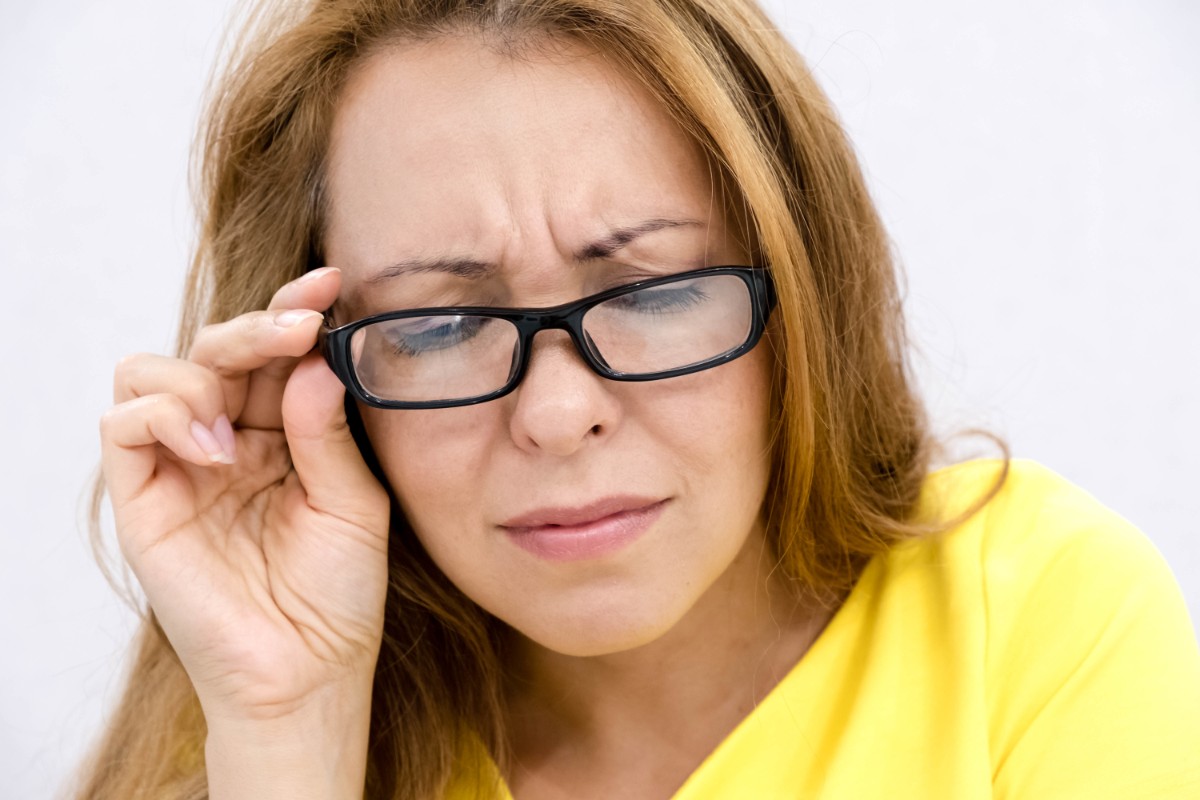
599, 628
591, 645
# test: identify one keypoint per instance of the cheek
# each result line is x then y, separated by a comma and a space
735, 441
431, 458
719, 418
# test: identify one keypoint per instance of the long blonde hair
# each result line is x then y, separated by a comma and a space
851, 449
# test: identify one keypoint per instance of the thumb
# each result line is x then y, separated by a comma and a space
327, 460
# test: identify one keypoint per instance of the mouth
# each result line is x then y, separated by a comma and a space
583, 532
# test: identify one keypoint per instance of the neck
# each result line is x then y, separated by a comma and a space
671, 700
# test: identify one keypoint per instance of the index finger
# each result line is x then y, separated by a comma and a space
316, 289
255, 353
243, 344
267, 342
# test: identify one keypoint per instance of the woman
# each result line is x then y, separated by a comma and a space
541, 426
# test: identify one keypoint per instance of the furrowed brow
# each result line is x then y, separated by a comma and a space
458, 267
620, 237
472, 269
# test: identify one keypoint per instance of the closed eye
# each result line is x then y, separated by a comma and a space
660, 300
415, 337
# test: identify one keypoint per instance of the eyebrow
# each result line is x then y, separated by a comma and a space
471, 268
620, 237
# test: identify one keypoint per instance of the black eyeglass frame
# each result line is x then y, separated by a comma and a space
334, 343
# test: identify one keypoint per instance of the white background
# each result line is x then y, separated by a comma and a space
1037, 164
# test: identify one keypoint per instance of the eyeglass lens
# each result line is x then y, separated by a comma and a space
456, 357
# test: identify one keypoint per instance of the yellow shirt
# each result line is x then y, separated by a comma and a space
1041, 649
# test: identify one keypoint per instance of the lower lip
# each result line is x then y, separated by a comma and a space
589, 540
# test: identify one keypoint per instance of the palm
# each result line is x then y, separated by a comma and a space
262, 593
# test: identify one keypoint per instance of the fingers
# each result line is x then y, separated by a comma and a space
146, 374
169, 385
236, 370
235, 348
326, 458
317, 289
254, 354
131, 431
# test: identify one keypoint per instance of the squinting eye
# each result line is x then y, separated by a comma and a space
426, 334
661, 300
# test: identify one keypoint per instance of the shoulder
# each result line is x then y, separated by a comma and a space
1031, 497
1048, 560
1039, 545
1086, 641
1038, 528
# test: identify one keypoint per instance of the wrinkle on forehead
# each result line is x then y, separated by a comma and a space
449, 148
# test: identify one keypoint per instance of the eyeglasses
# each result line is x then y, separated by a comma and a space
645, 331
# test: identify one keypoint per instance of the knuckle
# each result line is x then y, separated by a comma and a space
121, 415
200, 383
153, 405
130, 360
108, 421
165, 405
222, 346
130, 364
202, 341
254, 325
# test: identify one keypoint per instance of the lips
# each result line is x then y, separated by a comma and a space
582, 532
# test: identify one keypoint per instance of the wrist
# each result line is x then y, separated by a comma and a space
317, 750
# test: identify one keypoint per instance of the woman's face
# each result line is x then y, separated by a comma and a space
588, 514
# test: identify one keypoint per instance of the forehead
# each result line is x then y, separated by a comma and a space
451, 145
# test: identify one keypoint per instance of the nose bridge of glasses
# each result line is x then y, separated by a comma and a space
568, 319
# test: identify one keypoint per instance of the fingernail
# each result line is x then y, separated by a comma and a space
292, 318
208, 442
224, 433
313, 275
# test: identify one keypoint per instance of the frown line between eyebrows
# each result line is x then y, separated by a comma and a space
473, 269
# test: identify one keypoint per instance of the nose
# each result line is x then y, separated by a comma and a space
561, 405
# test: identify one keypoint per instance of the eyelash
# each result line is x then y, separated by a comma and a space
662, 301
402, 344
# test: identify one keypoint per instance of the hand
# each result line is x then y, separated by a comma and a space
246, 512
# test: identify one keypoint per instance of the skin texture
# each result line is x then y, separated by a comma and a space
521, 164
450, 149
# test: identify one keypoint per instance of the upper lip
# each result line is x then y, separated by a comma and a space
578, 515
